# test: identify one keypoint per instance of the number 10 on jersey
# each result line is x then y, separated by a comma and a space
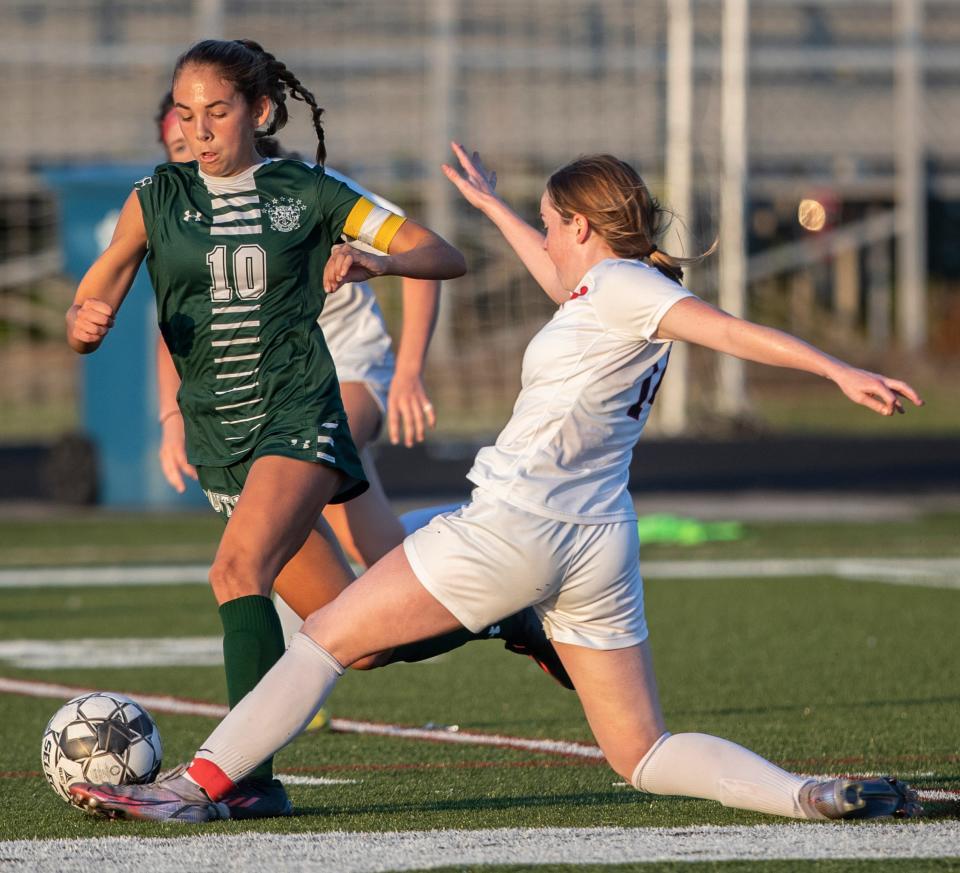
249, 273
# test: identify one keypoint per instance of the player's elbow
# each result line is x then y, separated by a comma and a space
454, 263
461, 269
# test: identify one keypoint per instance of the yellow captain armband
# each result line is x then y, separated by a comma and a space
372, 225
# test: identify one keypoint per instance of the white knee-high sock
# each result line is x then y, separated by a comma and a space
699, 765
269, 717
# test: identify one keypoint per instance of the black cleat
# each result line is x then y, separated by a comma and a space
523, 634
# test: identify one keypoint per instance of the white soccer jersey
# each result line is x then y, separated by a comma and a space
589, 378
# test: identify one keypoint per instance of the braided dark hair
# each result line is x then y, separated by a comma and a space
255, 73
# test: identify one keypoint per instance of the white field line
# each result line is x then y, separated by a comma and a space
297, 779
99, 652
113, 652
375, 852
926, 572
121, 574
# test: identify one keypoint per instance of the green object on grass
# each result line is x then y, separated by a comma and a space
672, 529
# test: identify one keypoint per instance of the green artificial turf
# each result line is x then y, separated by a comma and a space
818, 674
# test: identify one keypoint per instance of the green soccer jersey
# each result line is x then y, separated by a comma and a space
236, 264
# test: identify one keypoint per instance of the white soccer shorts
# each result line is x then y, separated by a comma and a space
488, 560
359, 344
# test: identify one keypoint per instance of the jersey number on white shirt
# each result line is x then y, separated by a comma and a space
650, 387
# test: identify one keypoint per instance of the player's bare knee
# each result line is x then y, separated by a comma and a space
324, 629
623, 761
232, 577
315, 625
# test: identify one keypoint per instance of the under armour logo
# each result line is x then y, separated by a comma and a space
493, 631
192, 216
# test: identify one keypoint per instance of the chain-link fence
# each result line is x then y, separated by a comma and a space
852, 105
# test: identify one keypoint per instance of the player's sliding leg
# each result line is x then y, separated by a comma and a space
619, 696
319, 572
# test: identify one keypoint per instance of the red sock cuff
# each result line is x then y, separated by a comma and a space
210, 778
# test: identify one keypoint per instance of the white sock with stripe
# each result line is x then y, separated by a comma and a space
699, 765
283, 703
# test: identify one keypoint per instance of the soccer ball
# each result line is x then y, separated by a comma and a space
100, 737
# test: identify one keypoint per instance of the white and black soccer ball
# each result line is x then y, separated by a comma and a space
101, 737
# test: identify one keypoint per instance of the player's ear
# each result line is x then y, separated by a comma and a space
582, 226
261, 110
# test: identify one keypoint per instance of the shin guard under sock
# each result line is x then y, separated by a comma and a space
699, 765
252, 644
269, 717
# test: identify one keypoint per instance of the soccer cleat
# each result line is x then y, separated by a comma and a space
175, 799
861, 798
523, 634
258, 798
250, 798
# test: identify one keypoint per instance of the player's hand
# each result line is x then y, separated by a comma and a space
173, 454
479, 183
880, 393
91, 320
349, 264
409, 410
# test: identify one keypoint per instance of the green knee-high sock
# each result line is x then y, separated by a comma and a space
252, 644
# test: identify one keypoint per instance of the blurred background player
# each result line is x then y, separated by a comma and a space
555, 482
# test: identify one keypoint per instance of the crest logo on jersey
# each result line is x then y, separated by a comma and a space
192, 216
146, 180
284, 213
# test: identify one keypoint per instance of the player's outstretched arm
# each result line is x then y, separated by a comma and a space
477, 186
694, 321
106, 283
409, 410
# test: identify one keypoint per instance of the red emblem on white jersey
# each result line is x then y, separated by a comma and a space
575, 294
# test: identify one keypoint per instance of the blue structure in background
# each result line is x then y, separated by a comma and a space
119, 406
